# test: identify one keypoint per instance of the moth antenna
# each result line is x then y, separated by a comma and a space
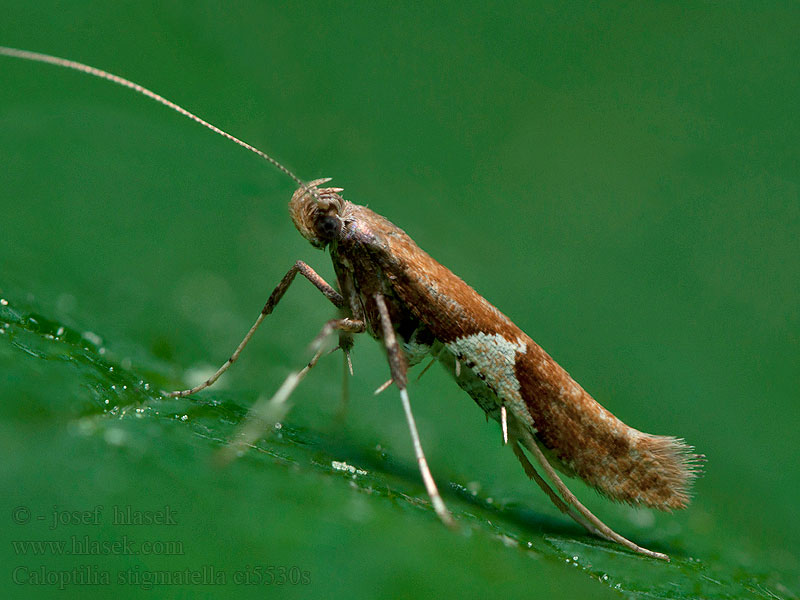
76, 66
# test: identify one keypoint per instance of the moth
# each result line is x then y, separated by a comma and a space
389, 288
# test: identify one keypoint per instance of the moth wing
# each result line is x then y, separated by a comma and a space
623, 463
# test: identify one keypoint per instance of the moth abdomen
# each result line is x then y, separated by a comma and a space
621, 462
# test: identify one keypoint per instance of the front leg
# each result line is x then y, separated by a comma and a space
299, 267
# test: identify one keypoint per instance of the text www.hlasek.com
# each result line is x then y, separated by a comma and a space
84, 545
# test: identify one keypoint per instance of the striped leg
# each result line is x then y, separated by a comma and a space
398, 368
266, 412
299, 267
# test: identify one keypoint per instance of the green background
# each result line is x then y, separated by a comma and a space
621, 179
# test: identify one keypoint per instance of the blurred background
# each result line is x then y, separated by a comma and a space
621, 179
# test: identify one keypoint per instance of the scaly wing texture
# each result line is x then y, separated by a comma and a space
621, 462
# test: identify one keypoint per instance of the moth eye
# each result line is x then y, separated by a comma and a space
328, 226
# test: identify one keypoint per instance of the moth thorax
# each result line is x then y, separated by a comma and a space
316, 212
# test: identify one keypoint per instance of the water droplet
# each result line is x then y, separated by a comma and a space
60, 331
343, 466
3, 302
66, 303
92, 337
115, 437
185, 418
641, 518
85, 426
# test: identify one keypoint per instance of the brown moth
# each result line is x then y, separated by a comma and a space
388, 287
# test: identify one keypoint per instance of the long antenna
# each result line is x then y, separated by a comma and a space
76, 66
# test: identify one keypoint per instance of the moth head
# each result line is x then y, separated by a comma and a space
316, 212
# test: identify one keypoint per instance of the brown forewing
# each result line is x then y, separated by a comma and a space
620, 461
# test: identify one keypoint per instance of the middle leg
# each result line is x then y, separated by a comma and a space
270, 411
399, 367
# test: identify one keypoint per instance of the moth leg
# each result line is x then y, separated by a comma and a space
345, 344
399, 368
270, 411
299, 267
531, 472
344, 399
383, 387
604, 530
428, 366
